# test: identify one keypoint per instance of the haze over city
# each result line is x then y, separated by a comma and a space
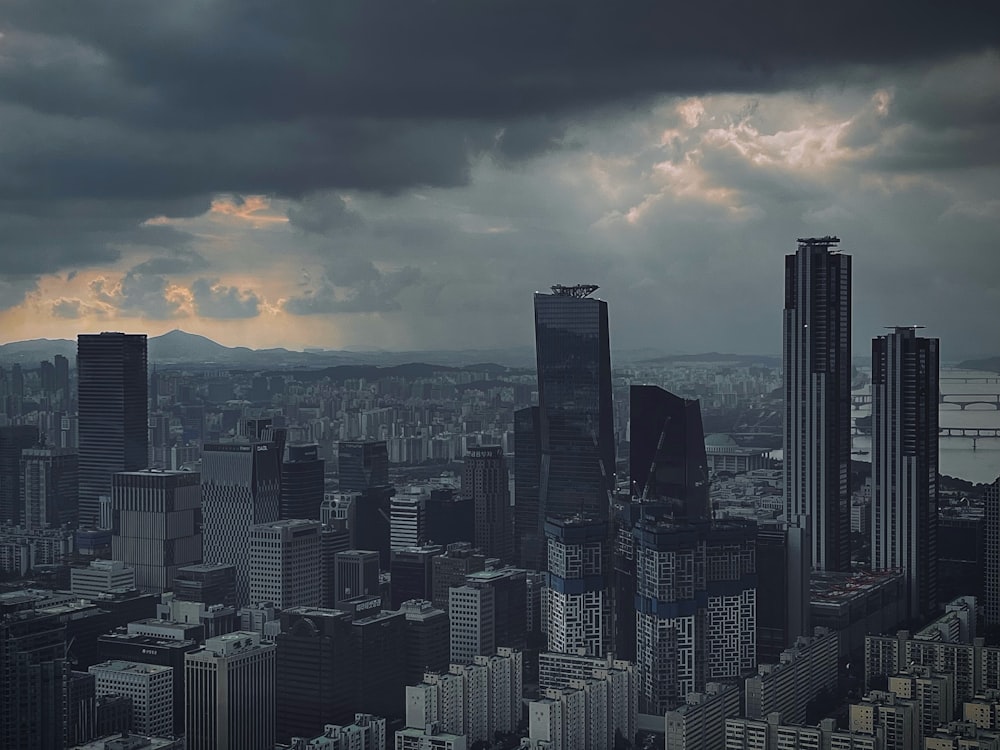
404, 176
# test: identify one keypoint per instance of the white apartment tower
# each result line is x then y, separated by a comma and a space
817, 371
284, 563
229, 701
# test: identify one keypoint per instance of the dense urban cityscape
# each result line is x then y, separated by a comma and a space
684, 552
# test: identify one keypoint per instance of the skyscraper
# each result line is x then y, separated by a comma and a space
301, 482
529, 539
363, 467
13, 439
113, 430
991, 582
49, 484
576, 427
484, 479
285, 563
157, 524
695, 606
230, 694
817, 369
239, 488
578, 605
357, 573
905, 395
667, 460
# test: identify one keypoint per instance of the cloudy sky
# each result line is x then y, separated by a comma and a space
403, 175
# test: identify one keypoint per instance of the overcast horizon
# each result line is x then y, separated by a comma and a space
403, 176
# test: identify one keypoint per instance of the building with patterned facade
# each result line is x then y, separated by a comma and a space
284, 562
156, 524
239, 489
485, 480
150, 687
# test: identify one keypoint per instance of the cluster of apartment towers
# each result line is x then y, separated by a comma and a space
634, 578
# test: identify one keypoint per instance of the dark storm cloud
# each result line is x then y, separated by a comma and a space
215, 300
353, 285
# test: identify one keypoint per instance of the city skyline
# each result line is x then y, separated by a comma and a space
367, 179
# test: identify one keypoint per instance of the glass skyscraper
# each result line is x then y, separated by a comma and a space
113, 428
576, 428
817, 364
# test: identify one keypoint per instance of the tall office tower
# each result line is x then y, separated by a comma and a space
451, 568
412, 573
529, 539
313, 670
229, 694
302, 476
34, 671
151, 688
13, 439
577, 605
427, 639
817, 366
407, 520
698, 627
485, 480
240, 486
905, 395
111, 401
991, 584
285, 563
472, 615
783, 603
363, 467
157, 524
208, 583
510, 604
333, 539
61, 382
576, 425
49, 487
357, 574
667, 462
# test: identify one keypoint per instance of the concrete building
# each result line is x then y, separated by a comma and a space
229, 689
933, 693
427, 639
407, 522
983, 710
770, 733
100, 577
412, 572
991, 583
485, 480
451, 568
357, 574
208, 583
961, 735
894, 720
700, 724
510, 603
817, 372
576, 601
366, 733
724, 454
150, 687
131, 741
474, 700
905, 395
49, 487
156, 524
856, 604
803, 671
284, 562
429, 738
471, 614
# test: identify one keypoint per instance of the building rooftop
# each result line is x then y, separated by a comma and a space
130, 667
828, 586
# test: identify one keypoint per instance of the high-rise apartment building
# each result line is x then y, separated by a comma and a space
485, 480
156, 526
302, 477
991, 584
150, 687
49, 487
667, 461
576, 426
905, 395
285, 563
13, 439
239, 488
112, 388
229, 689
817, 371
577, 604
700, 626
529, 538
